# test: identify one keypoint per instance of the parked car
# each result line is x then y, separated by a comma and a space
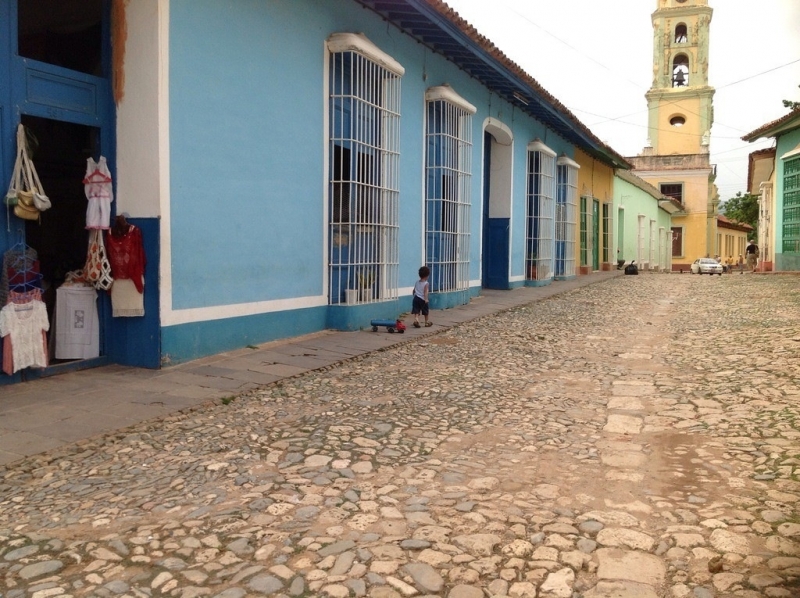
706, 265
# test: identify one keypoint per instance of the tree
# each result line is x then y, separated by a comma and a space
742, 209
790, 104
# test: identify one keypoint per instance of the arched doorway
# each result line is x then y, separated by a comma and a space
498, 161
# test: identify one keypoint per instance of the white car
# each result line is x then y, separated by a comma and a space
706, 265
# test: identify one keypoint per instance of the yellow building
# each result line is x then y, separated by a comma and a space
595, 226
731, 239
676, 157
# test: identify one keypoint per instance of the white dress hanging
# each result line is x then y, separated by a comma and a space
99, 191
25, 324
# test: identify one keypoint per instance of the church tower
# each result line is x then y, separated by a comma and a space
680, 114
679, 100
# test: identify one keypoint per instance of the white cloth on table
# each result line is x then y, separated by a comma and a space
77, 324
25, 323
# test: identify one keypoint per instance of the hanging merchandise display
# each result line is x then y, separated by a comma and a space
25, 192
23, 317
126, 254
97, 269
20, 271
23, 326
99, 191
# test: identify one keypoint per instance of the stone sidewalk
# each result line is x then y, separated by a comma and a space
45, 414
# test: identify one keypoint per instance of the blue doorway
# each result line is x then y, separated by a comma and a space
496, 254
55, 79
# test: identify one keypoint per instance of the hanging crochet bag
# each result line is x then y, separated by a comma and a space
31, 178
15, 185
97, 269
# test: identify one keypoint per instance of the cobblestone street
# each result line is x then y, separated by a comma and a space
637, 438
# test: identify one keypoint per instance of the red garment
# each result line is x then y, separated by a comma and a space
126, 256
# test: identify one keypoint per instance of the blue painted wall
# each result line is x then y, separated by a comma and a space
247, 143
137, 341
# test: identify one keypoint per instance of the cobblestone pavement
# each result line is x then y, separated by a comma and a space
637, 438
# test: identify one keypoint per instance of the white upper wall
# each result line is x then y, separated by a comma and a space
138, 171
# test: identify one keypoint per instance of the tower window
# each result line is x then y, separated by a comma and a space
677, 121
680, 71
680, 34
673, 190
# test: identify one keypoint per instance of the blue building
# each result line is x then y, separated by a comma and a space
290, 164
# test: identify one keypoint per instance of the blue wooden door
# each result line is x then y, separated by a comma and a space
496, 232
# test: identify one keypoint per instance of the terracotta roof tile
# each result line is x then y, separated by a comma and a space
763, 131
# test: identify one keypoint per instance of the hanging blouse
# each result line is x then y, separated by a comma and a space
99, 191
126, 256
24, 323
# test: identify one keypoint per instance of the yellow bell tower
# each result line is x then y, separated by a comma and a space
679, 101
680, 114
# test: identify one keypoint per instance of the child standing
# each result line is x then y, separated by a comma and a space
419, 304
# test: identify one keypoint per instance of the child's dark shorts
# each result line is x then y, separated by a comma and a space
419, 306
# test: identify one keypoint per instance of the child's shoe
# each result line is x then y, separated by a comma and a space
416, 324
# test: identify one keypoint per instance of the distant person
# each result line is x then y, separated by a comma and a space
751, 253
741, 264
729, 264
419, 304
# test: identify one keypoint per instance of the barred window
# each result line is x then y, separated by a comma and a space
677, 241
540, 212
653, 256
448, 160
673, 190
363, 193
566, 215
791, 205
606, 232
585, 227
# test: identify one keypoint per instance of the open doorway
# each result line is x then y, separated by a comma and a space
59, 152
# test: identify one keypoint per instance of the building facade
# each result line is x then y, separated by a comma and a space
642, 223
732, 240
774, 175
680, 115
290, 165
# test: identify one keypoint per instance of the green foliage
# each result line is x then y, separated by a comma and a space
742, 209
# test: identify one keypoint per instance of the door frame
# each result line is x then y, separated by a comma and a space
34, 88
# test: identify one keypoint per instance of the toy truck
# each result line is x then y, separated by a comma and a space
391, 325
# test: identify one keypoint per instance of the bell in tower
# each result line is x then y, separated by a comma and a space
680, 71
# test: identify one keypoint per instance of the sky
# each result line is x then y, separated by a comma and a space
596, 58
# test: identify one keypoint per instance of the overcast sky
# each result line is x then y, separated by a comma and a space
597, 59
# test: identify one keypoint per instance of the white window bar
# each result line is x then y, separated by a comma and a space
540, 212
640, 241
566, 216
653, 260
448, 160
364, 188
